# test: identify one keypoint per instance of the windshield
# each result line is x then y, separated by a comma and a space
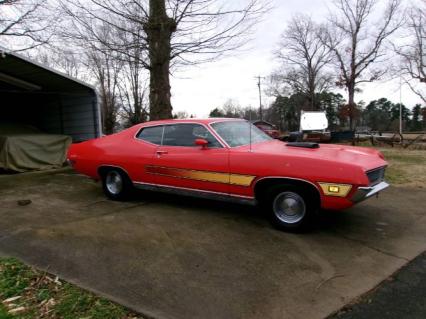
237, 133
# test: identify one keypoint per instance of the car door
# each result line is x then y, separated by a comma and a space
143, 153
182, 164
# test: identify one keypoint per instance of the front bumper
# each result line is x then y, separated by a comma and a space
366, 192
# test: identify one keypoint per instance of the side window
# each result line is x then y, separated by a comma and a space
186, 134
201, 132
151, 134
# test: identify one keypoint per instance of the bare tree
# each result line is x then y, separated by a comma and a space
304, 59
181, 115
106, 71
358, 43
94, 63
134, 79
413, 54
24, 24
64, 60
133, 95
175, 32
119, 76
106, 66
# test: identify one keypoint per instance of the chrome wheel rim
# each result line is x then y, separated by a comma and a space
114, 182
289, 207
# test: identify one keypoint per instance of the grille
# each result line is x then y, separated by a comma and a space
377, 175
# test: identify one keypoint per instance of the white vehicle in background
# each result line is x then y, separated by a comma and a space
313, 128
313, 121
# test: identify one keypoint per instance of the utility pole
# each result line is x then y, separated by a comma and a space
400, 104
260, 97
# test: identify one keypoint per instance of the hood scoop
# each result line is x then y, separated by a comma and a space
303, 144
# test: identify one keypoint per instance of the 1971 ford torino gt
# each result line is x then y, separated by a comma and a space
232, 159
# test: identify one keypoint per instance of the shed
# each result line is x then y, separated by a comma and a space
34, 94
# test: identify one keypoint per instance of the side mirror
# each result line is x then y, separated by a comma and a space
201, 142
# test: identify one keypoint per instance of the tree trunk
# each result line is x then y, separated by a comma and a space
108, 116
312, 90
159, 30
351, 106
312, 101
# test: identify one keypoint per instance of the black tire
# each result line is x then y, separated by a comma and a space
290, 208
116, 184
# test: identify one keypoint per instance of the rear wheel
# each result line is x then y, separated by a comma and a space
116, 184
290, 208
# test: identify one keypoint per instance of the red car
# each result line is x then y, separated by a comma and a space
232, 160
268, 128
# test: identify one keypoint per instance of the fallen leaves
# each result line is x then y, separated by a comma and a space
33, 299
17, 310
13, 308
29, 293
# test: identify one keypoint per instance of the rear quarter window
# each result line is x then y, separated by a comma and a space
151, 134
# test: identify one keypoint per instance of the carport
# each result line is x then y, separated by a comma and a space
34, 94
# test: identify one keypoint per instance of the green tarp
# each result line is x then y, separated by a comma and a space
24, 148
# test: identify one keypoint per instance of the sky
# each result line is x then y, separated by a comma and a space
200, 89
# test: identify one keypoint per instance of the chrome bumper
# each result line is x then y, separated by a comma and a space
366, 192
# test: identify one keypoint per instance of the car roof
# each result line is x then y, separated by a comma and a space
201, 121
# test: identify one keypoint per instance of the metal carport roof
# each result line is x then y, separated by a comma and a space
20, 72
50, 100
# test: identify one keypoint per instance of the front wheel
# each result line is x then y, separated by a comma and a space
116, 185
290, 208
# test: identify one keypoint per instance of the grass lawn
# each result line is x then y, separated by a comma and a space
28, 293
407, 168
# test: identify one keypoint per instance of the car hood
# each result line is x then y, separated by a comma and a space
366, 158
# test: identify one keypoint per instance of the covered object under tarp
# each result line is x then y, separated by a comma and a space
24, 148
41, 112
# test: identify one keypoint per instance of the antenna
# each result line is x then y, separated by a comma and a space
250, 126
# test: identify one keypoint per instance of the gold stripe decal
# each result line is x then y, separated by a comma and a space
241, 180
206, 176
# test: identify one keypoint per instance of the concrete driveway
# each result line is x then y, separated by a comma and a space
175, 257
